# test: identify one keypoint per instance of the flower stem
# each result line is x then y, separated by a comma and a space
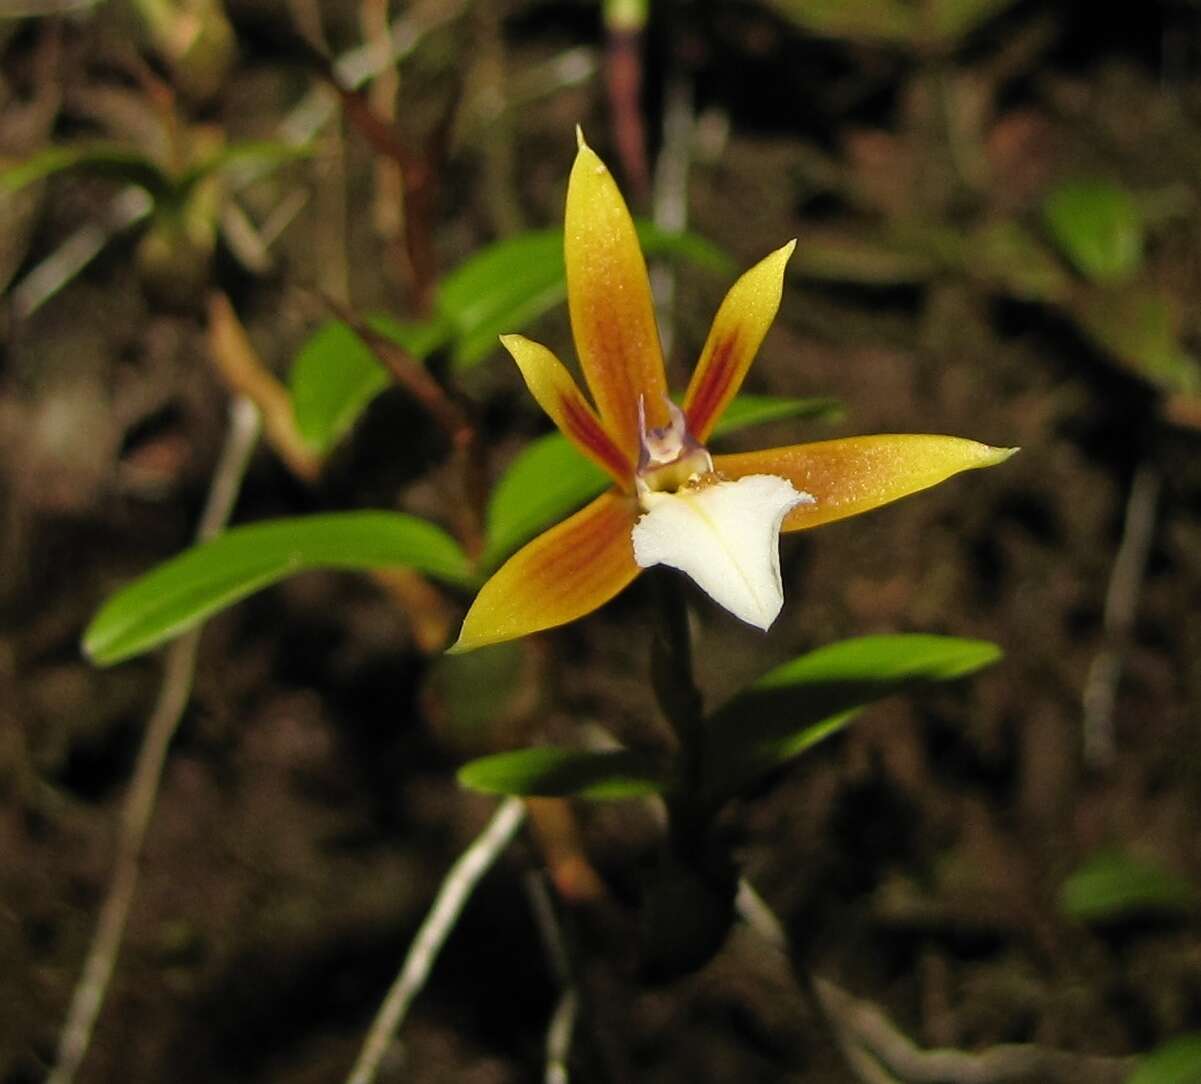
689, 904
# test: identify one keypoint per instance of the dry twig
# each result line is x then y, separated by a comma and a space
178, 671
456, 888
879, 1053
1121, 604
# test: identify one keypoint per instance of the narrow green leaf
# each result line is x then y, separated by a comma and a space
258, 155
335, 375
550, 479
199, 582
876, 260
113, 160
547, 480
333, 378
549, 771
1098, 226
876, 21
692, 247
1007, 256
1176, 1062
1112, 885
953, 20
746, 410
509, 284
806, 700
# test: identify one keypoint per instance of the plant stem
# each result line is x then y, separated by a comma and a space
673, 677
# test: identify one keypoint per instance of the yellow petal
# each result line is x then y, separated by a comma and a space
609, 296
738, 329
552, 385
846, 477
562, 574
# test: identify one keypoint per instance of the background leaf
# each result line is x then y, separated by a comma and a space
553, 772
803, 701
878, 21
1138, 327
953, 20
509, 284
1113, 885
746, 410
100, 159
1098, 226
201, 581
1011, 258
257, 157
1176, 1062
335, 375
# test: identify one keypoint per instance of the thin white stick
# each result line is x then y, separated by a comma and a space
671, 197
1121, 604
558, 1037
456, 889
178, 671
878, 1052
129, 207
562, 1022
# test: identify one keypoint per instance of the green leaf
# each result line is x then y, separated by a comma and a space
1139, 328
185, 590
1176, 1062
258, 155
876, 21
546, 481
1009, 257
746, 410
953, 20
1098, 226
112, 160
1112, 885
549, 771
885, 259
509, 284
803, 701
335, 375
550, 479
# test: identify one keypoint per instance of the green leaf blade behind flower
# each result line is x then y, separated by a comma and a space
507, 285
746, 410
800, 703
548, 480
335, 375
212, 576
548, 771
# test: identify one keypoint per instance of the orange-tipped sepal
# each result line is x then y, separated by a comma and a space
734, 340
609, 298
856, 474
558, 394
564, 573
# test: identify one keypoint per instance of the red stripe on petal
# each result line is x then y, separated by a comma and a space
719, 374
582, 426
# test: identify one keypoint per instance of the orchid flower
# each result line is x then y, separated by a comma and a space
716, 518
